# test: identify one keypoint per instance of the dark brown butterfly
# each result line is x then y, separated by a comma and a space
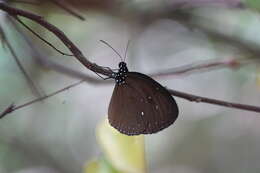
139, 104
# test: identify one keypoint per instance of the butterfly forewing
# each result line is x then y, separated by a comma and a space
141, 106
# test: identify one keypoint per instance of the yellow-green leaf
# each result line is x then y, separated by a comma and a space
125, 153
92, 167
100, 166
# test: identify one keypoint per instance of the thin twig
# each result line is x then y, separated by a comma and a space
8, 110
48, 63
189, 97
245, 46
58, 33
62, 4
25, 2
206, 65
26, 75
199, 99
37, 35
98, 69
12, 107
200, 66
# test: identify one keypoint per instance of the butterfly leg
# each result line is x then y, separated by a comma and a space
112, 70
112, 75
104, 78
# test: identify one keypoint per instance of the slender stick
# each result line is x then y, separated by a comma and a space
62, 4
26, 2
189, 97
207, 65
58, 33
199, 99
14, 55
12, 107
8, 110
37, 35
48, 63
98, 69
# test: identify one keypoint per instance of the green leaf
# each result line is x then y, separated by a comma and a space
125, 153
92, 167
100, 166
253, 4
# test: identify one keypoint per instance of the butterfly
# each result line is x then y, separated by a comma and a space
139, 104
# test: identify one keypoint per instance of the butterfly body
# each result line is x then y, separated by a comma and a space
139, 104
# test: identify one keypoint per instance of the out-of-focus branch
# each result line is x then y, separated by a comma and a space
24, 72
98, 69
190, 97
8, 110
207, 65
199, 99
25, 2
62, 4
184, 18
201, 66
12, 107
37, 35
48, 63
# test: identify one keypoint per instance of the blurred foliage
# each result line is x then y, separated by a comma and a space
59, 133
255, 4
125, 153
100, 166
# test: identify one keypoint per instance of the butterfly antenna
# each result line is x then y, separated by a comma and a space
128, 42
112, 49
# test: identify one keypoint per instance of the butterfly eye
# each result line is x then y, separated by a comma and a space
122, 64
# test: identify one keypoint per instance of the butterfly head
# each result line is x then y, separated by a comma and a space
122, 64
122, 73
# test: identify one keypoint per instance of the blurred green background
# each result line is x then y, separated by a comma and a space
58, 135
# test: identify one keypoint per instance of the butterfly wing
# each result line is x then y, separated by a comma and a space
141, 106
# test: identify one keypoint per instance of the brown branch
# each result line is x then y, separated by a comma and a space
199, 99
48, 63
8, 110
95, 68
200, 66
190, 97
58, 33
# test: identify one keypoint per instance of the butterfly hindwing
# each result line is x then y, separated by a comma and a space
141, 106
